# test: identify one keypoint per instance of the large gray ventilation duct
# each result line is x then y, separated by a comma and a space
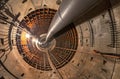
75, 10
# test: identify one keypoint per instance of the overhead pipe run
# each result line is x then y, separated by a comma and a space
75, 10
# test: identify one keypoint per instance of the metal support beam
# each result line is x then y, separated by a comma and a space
76, 10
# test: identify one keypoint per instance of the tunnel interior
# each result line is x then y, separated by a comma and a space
87, 50
60, 52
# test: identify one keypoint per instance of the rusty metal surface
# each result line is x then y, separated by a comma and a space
37, 22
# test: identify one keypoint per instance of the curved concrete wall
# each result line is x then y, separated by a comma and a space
97, 56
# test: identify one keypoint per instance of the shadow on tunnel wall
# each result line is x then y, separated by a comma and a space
91, 13
64, 30
97, 10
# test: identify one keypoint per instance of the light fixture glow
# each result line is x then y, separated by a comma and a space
27, 36
35, 40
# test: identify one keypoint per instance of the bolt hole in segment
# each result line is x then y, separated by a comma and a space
33, 47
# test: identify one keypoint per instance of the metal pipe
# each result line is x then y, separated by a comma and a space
75, 10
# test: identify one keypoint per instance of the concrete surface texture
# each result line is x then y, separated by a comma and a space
88, 50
